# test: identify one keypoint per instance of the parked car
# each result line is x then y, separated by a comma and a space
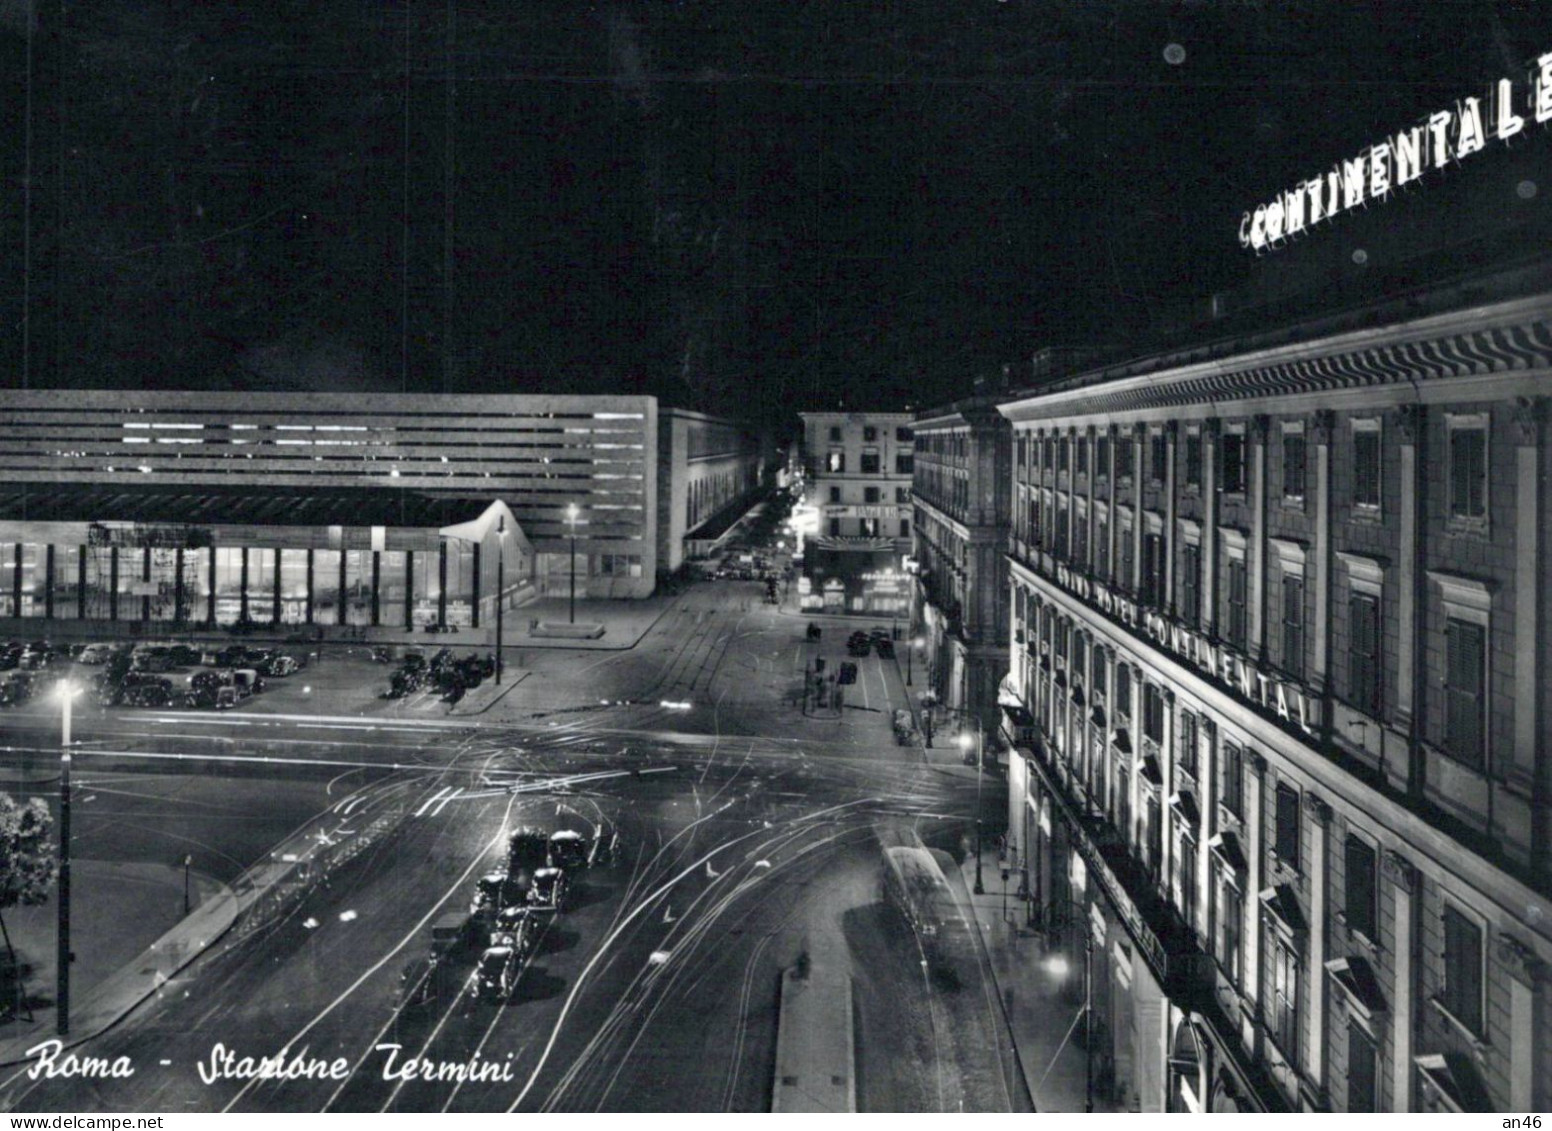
248, 682
220, 696
848, 673
138, 689
185, 655
151, 658
859, 644
570, 849
279, 664
18, 688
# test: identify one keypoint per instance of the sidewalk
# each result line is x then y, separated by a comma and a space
1038, 1014
117, 909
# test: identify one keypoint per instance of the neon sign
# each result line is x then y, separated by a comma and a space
1442, 137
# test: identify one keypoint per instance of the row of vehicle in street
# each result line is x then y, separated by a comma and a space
142, 675
450, 676
512, 909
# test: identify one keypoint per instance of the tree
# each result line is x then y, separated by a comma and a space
28, 868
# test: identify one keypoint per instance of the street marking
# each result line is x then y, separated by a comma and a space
429, 802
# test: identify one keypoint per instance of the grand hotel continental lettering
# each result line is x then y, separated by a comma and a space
1226, 667
1442, 137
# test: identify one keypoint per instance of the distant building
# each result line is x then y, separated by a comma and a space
1279, 687
858, 469
709, 474
961, 491
342, 510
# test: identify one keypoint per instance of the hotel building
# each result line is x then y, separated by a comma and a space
1280, 622
961, 496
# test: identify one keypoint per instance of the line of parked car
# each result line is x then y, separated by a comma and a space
144, 675
450, 676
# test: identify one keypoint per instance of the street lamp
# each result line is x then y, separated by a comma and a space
67, 693
501, 584
1058, 966
187, 861
571, 521
964, 742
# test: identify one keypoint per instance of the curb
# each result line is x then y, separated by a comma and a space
225, 897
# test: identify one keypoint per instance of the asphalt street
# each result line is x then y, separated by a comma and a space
746, 838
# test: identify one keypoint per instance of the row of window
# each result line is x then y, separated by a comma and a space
1466, 443
1462, 735
1460, 980
874, 495
870, 434
871, 463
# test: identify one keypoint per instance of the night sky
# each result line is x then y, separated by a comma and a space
739, 206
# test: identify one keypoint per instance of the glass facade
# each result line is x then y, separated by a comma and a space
168, 585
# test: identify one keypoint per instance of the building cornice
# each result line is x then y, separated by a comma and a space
1505, 338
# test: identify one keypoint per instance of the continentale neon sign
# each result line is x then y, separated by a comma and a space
1442, 137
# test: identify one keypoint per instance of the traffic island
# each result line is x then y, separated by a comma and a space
582, 630
815, 1052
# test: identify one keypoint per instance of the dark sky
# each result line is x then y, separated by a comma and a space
742, 206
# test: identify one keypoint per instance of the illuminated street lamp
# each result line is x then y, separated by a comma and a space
965, 743
66, 694
571, 521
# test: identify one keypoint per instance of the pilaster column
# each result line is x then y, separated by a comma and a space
1255, 837
1089, 439
1404, 878
1113, 433
1529, 544
1260, 426
1320, 434
1525, 970
1134, 779
1207, 790
1166, 811
1139, 470
1072, 494
1412, 425
1315, 1061
1171, 435
1210, 433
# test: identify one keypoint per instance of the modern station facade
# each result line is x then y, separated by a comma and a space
1280, 621
324, 509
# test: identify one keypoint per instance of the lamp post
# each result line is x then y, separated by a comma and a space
187, 861
964, 741
67, 694
501, 584
571, 521
1057, 964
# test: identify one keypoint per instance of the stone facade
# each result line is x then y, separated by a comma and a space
1280, 617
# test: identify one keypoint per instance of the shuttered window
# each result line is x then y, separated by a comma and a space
1236, 626
1232, 448
1287, 843
1191, 584
1468, 473
1293, 626
1463, 699
1293, 465
1362, 1078
1462, 994
1366, 469
1363, 653
1362, 907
